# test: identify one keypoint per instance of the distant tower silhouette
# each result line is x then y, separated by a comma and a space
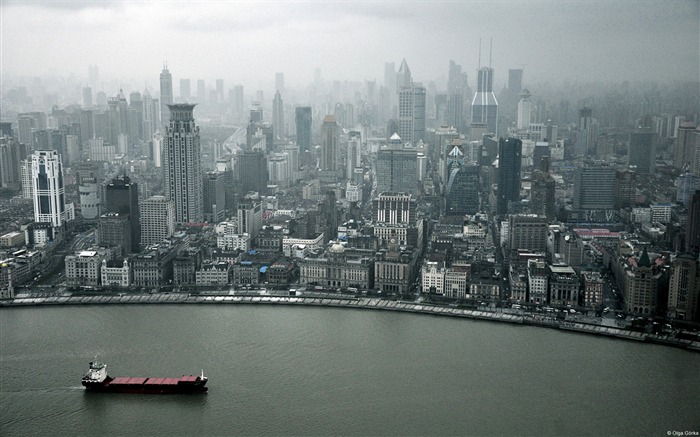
166, 95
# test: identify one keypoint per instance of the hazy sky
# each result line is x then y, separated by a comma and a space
247, 42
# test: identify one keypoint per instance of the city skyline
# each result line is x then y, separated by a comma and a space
584, 41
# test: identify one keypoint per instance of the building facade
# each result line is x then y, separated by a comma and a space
183, 165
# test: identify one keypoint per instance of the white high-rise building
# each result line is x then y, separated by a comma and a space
48, 191
182, 162
157, 220
278, 117
524, 108
150, 115
157, 150
354, 155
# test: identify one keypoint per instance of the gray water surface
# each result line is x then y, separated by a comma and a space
277, 370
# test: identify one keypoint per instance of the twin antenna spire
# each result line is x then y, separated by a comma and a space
490, 52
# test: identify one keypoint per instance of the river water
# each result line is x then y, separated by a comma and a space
276, 370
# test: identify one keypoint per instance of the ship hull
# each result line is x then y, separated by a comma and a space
185, 385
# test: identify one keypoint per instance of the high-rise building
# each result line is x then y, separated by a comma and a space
395, 208
252, 172
12, 153
641, 152
303, 126
114, 229
279, 82
278, 117
587, 133
411, 120
625, 189
48, 190
219, 90
214, 197
509, 163
484, 104
527, 231
684, 146
692, 239
330, 139
354, 154
238, 99
185, 90
524, 106
515, 80
687, 184
166, 95
542, 191
594, 187
151, 113
462, 191
201, 91
122, 197
182, 162
249, 214
396, 168
87, 97
684, 288
157, 220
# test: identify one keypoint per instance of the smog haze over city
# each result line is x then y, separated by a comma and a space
560, 41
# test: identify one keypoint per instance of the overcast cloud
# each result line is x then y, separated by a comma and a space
247, 42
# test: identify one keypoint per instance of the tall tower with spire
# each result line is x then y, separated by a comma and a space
166, 95
484, 104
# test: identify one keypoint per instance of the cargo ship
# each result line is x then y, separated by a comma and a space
96, 379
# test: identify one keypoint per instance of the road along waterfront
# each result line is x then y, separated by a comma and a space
341, 301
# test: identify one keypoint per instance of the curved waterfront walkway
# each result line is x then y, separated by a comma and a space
341, 301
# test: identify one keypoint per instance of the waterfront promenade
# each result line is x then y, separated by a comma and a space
343, 301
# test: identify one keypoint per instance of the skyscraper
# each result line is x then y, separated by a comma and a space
201, 91
587, 132
252, 171
484, 104
279, 82
462, 191
524, 106
48, 190
641, 151
214, 197
411, 113
397, 170
509, 162
87, 97
185, 90
515, 80
219, 91
684, 288
594, 187
303, 126
182, 164
692, 238
122, 197
330, 139
278, 117
166, 95
157, 220
238, 99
